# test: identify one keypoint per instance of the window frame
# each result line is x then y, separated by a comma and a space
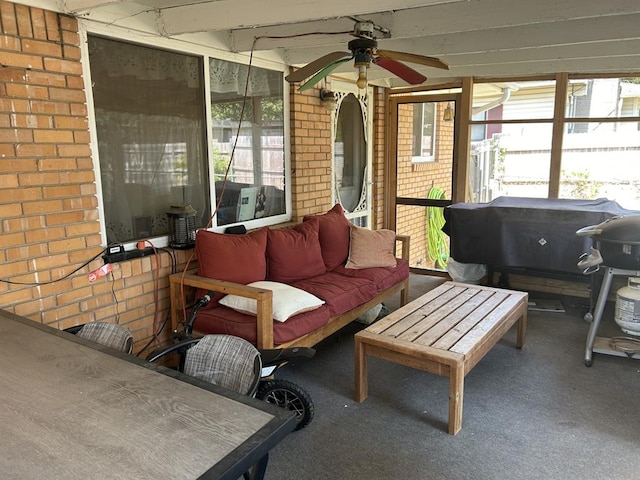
417, 159
127, 35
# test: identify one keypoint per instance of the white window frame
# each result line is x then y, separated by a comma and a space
153, 40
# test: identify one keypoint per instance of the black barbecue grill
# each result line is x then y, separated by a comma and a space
617, 250
617, 241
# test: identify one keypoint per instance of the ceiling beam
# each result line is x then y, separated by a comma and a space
232, 14
572, 32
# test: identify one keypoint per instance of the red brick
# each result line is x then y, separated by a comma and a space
15, 135
53, 108
8, 16
10, 210
52, 26
41, 48
64, 218
32, 179
20, 60
59, 164
26, 251
66, 95
22, 223
74, 151
10, 43
32, 121
43, 235
67, 244
33, 208
26, 150
62, 66
9, 181
46, 78
38, 24
23, 17
53, 136
70, 37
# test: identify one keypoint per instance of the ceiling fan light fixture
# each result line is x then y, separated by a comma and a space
362, 76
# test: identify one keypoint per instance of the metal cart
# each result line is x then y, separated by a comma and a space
618, 346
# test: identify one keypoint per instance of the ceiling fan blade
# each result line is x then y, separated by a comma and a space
407, 74
413, 58
322, 73
317, 65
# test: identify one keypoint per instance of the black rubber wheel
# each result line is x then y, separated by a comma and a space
290, 396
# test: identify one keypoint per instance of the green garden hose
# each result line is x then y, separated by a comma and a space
437, 246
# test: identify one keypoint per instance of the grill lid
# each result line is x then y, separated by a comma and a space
619, 229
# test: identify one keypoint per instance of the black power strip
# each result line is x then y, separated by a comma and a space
127, 255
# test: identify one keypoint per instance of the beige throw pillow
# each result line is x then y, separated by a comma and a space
287, 301
371, 248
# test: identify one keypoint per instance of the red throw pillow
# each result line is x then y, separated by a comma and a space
294, 253
333, 235
234, 258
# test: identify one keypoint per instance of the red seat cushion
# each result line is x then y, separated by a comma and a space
294, 253
223, 320
383, 277
333, 234
340, 292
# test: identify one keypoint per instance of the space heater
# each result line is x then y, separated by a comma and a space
182, 226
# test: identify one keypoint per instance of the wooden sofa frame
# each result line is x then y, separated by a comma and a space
264, 320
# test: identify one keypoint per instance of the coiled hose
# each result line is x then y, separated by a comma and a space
437, 245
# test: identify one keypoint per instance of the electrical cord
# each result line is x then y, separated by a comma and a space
49, 282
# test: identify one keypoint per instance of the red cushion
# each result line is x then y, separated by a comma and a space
234, 258
340, 292
294, 253
334, 236
383, 277
223, 320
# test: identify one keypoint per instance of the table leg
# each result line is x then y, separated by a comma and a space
361, 372
258, 470
456, 393
522, 329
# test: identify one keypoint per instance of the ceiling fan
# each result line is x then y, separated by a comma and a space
364, 51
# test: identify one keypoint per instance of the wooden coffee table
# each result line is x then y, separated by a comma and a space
447, 332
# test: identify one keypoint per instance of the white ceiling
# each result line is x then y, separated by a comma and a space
481, 38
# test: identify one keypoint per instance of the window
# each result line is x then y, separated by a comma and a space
424, 128
600, 144
255, 185
149, 112
600, 151
151, 126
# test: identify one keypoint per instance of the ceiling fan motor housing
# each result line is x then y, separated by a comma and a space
363, 50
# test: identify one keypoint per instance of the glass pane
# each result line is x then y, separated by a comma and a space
424, 127
602, 160
254, 186
512, 160
425, 179
514, 100
150, 126
350, 152
603, 98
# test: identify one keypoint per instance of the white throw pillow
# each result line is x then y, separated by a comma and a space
287, 300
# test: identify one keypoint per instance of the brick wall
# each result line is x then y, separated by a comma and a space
49, 217
310, 154
49, 224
